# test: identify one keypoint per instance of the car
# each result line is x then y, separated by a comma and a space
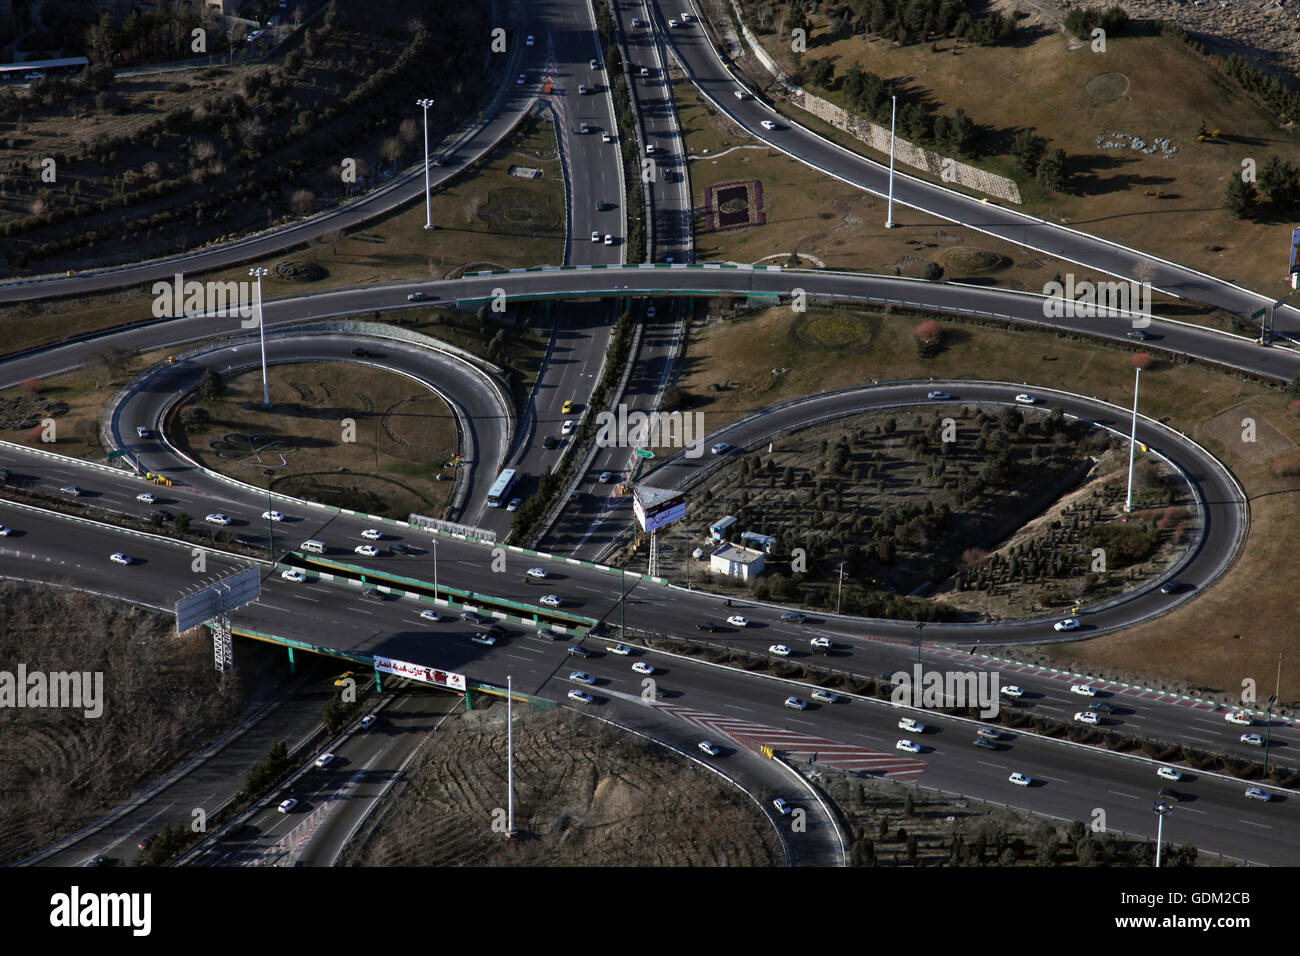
641, 667
738, 620
147, 497
1255, 740
536, 572
824, 696
795, 703
421, 296
580, 697
549, 442
1136, 334
567, 428
686, 18
496, 630
937, 395
620, 649
373, 593
767, 124
1171, 587
1172, 795
1069, 624
581, 677
645, 71
672, 24
793, 617
372, 534
71, 490
908, 746
429, 614
741, 94
546, 634
1011, 690
34, 75
368, 721
782, 807
780, 650
604, 478
1102, 707
609, 240
146, 842
550, 600
366, 550
650, 149
577, 650
400, 548
1239, 717
475, 618
636, 21
821, 644
287, 805
296, 575
514, 504
487, 640
650, 312
520, 79
719, 448
530, 40
273, 515
708, 748
218, 518
607, 137
984, 743
1024, 399
99, 860
141, 431
582, 89
989, 733
567, 407
1020, 780
1087, 717
117, 557
324, 760
1258, 793
593, 64
359, 352
595, 235
4, 532
910, 725
706, 626
1083, 690
1169, 773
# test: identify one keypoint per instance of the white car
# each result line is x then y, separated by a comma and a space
141, 431
567, 428
1069, 624
641, 667
937, 395
780, 650
372, 534
514, 504
622, 650
4, 532
708, 748
581, 677
429, 614
609, 240
324, 760
650, 149
782, 807
217, 518
604, 478
1023, 399
582, 89
672, 24
1239, 717
550, 600
1083, 690
595, 235
581, 697
368, 721
366, 550
636, 21
908, 746
273, 515
536, 572
719, 448
1087, 717
117, 557
912, 726
821, 643
767, 124
686, 18
71, 490
287, 805
1020, 780
989, 733
295, 575
1169, 773
1255, 793
741, 94
737, 620
1011, 690
147, 497
414, 296
794, 703
1255, 740
824, 696
607, 137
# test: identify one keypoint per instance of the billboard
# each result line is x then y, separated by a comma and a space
221, 597
656, 507
427, 675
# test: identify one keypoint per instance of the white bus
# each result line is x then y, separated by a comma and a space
500, 490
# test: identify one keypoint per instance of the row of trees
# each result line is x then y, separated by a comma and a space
871, 96
1275, 191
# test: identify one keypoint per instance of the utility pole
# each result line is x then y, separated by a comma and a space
428, 195
840, 593
510, 756
893, 118
1268, 730
1161, 809
1132, 440
920, 625
435, 566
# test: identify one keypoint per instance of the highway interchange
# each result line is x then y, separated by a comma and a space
1073, 781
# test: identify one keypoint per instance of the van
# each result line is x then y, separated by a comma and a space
312, 547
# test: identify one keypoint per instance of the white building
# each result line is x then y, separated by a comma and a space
737, 562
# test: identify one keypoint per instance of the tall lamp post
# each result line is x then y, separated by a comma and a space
257, 272
1268, 730
1132, 440
1161, 808
893, 118
428, 195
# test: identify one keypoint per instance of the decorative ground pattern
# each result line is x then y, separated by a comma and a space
735, 205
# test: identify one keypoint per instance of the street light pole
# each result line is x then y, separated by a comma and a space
510, 755
1268, 730
1132, 440
435, 567
1161, 809
893, 117
428, 195
919, 626
839, 595
257, 272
